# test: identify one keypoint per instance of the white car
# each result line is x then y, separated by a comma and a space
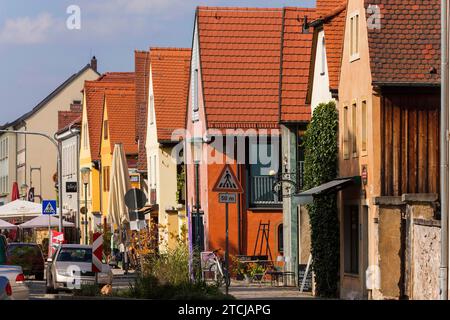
5, 288
71, 267
16, 279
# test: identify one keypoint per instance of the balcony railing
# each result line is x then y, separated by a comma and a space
262, 191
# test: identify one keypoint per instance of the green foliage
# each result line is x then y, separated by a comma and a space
170, 267
321, 166
166, 276
180, 183
149, 287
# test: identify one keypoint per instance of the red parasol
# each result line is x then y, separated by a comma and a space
15, 192
14, 196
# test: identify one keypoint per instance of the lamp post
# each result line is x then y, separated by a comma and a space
85, 176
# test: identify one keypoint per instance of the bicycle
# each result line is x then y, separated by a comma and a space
216, 266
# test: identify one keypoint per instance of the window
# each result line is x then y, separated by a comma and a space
354, 37
264, 156
154, 171
4, 166
354, 131
105, 129
323, 57
280, 238
85, 136
106, 177
152, 109
346, 151
300, 158
351, 240
364, 126
195, 101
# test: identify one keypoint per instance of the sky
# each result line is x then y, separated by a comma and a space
38, 51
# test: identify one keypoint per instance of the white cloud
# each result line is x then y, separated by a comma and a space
26, 30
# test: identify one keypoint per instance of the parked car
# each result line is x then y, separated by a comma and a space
16, 279
27, 255
63, 266
3, 245
5, 288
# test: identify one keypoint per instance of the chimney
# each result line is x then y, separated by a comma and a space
94, 63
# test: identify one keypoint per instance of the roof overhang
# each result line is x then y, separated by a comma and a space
332, 186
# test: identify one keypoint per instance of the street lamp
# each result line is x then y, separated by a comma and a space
85, 176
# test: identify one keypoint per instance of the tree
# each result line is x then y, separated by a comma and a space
321, 166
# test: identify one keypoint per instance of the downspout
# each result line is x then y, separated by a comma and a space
239, 197
444, 151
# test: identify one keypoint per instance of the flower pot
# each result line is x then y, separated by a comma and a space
248, 279
240, 277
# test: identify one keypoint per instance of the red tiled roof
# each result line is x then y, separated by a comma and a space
333, 13
296, 63
65, 118
142, 70
94, 92
170, 77
121, 108
243, 51
117, 77
407, 46
240, 66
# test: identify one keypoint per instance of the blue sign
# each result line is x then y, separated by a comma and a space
49, 207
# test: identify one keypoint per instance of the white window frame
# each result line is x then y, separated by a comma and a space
354, 35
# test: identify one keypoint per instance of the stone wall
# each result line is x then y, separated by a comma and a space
389, 229
408, 247
426, 253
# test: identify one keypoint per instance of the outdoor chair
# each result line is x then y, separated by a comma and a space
279, 271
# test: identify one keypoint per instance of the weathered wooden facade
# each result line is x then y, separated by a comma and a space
410, 140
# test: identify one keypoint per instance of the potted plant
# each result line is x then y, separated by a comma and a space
255, 272
238, 268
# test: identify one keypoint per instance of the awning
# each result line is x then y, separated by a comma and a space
332, 186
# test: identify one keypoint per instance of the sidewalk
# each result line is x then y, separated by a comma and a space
242, 291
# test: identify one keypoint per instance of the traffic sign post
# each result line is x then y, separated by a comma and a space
97, 252
49, 208
227, 185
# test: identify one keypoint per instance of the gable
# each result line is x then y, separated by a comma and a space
170, 78
240, 66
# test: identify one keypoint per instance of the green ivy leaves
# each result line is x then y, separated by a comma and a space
321, 166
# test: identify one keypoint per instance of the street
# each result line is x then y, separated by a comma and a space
37, 288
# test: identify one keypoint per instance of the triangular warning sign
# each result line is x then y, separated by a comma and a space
228, 182
49, 209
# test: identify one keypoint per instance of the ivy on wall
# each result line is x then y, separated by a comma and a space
321, 166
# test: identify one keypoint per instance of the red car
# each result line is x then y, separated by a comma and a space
27, 255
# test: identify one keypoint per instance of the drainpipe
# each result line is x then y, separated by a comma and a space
444, 151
